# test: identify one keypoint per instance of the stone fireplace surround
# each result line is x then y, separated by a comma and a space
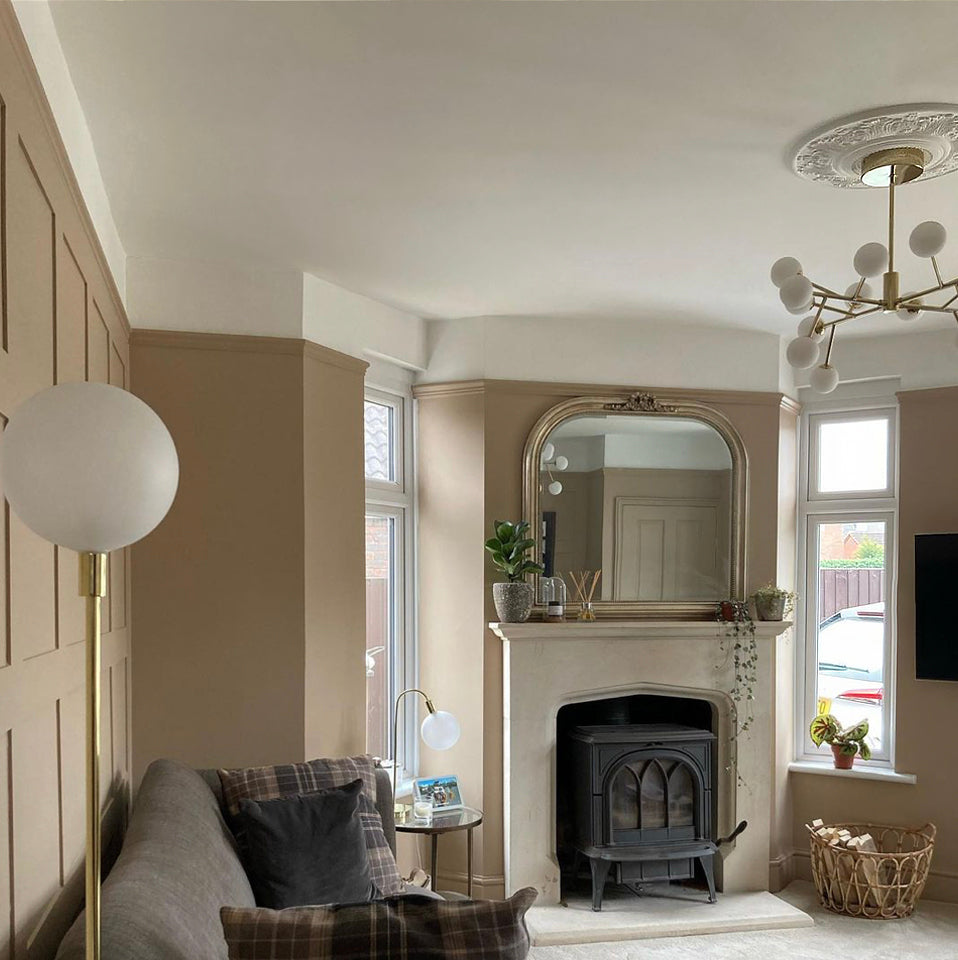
549, 665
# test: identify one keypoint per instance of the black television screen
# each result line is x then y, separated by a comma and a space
936, 573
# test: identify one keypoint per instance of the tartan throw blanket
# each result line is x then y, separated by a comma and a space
283, 780
400, 928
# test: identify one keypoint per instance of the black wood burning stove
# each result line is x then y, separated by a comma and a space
643, 803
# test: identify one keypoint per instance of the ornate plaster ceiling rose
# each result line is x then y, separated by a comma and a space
834, 154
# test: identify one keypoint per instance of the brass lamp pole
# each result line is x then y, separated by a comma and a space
93, 588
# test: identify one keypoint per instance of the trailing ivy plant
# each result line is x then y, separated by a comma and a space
510, 547
740, 630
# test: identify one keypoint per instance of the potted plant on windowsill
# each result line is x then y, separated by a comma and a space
510, 553
846, 744
771, 602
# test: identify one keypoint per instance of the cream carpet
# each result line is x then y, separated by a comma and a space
931, 934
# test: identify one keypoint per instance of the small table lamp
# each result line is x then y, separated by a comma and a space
92, 468
439, 730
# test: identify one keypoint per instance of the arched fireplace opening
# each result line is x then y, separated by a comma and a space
636, 782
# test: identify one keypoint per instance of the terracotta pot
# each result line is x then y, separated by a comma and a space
513, 601
842, 761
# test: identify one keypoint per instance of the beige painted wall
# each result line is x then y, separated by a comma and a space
470, 454
250, 597
60, 320
927, 711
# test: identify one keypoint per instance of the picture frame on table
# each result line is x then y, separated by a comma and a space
443, 791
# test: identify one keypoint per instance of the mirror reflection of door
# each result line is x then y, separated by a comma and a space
647, 500
665, 550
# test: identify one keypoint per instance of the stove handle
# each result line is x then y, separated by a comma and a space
739, 829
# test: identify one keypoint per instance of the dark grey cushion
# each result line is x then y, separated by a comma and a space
179, 865
384, 799
305, 849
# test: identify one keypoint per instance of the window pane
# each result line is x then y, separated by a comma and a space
379, 444
851, 624
853, 455
380, 631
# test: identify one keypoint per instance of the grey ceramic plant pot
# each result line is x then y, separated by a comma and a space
513, 601
770, 609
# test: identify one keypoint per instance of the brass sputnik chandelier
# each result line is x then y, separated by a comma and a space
886, 149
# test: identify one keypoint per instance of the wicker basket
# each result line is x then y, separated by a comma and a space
884, 885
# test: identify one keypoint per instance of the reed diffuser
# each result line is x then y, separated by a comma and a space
585, 583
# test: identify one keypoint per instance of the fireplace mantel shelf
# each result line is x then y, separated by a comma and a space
626, 629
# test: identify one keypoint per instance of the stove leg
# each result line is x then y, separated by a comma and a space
708, 870
600, 872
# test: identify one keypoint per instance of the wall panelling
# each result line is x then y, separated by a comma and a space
61, 320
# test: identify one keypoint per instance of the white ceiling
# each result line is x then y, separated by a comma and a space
598, 160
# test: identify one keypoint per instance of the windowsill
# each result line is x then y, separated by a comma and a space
823, 769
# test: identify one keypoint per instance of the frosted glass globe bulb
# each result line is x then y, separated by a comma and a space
548, 451
562, 463
807, 328
910, 310
866, 291
88, 466
824, 378
796, 293
928, 239
440, 730
783, 268
555, 488
802, 353
871, 260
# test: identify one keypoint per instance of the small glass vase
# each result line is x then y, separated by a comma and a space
586, 612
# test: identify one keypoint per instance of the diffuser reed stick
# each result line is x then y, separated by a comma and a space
585, 582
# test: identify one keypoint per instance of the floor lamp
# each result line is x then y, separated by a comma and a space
92, 468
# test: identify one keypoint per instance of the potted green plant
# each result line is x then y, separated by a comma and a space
771, 602
846, 744
510, 553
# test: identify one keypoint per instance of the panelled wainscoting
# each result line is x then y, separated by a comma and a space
62, 320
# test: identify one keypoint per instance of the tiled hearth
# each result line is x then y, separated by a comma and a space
547, 666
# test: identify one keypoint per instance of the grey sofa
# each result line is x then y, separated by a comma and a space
179, 864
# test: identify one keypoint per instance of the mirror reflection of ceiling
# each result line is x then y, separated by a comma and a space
597, 442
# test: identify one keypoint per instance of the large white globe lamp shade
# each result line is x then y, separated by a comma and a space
88, 466
824, 378
440, 730
796, 293
803, 352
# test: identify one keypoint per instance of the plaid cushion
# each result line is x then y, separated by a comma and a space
401, 928
283, 780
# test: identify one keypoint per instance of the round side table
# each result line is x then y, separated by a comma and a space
445, 821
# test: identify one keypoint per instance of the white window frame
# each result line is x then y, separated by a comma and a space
814, 509
397, 499
815, 420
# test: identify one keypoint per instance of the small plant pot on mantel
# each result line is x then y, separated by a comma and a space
513, 601
843, 761
770, 608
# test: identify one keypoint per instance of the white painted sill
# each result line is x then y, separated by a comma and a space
820, 769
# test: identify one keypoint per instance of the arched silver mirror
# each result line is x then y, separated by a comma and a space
652, 494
